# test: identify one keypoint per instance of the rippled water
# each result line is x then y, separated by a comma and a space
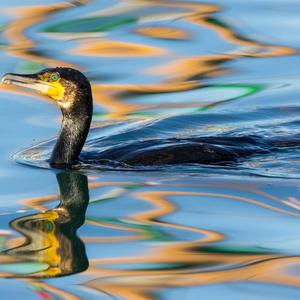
158, 69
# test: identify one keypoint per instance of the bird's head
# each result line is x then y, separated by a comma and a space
72, 92
68, 87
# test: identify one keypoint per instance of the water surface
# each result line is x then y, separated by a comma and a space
158, 69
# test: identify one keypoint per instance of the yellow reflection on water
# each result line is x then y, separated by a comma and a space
51, 243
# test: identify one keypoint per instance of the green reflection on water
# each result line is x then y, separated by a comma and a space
246, 90
92, 24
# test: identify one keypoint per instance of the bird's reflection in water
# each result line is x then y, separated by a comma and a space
50, 236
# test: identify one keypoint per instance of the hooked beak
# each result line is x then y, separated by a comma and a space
29, 81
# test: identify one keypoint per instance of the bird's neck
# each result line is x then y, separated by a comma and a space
72, 136
74, 197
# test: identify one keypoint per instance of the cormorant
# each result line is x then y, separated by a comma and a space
72, 92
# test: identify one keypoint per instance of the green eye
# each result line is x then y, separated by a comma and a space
54, 76
48, 226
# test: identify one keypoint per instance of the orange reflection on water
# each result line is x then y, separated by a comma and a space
21, 45
166, 264
117, 48
37, 203
163, 32
191, 7
249, 47
110, 96
182, 73
171, 263
146, 283
143, 283
187, 69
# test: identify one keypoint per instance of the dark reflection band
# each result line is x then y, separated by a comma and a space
51, 243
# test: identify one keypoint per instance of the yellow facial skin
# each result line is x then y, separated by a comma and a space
53, 89
47, 83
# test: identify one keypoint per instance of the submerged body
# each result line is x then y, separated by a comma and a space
209, 150
72, 91
214, 150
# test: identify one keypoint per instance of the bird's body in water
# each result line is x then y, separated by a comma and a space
72, 92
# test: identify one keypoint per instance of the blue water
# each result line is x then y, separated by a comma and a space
158, 69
